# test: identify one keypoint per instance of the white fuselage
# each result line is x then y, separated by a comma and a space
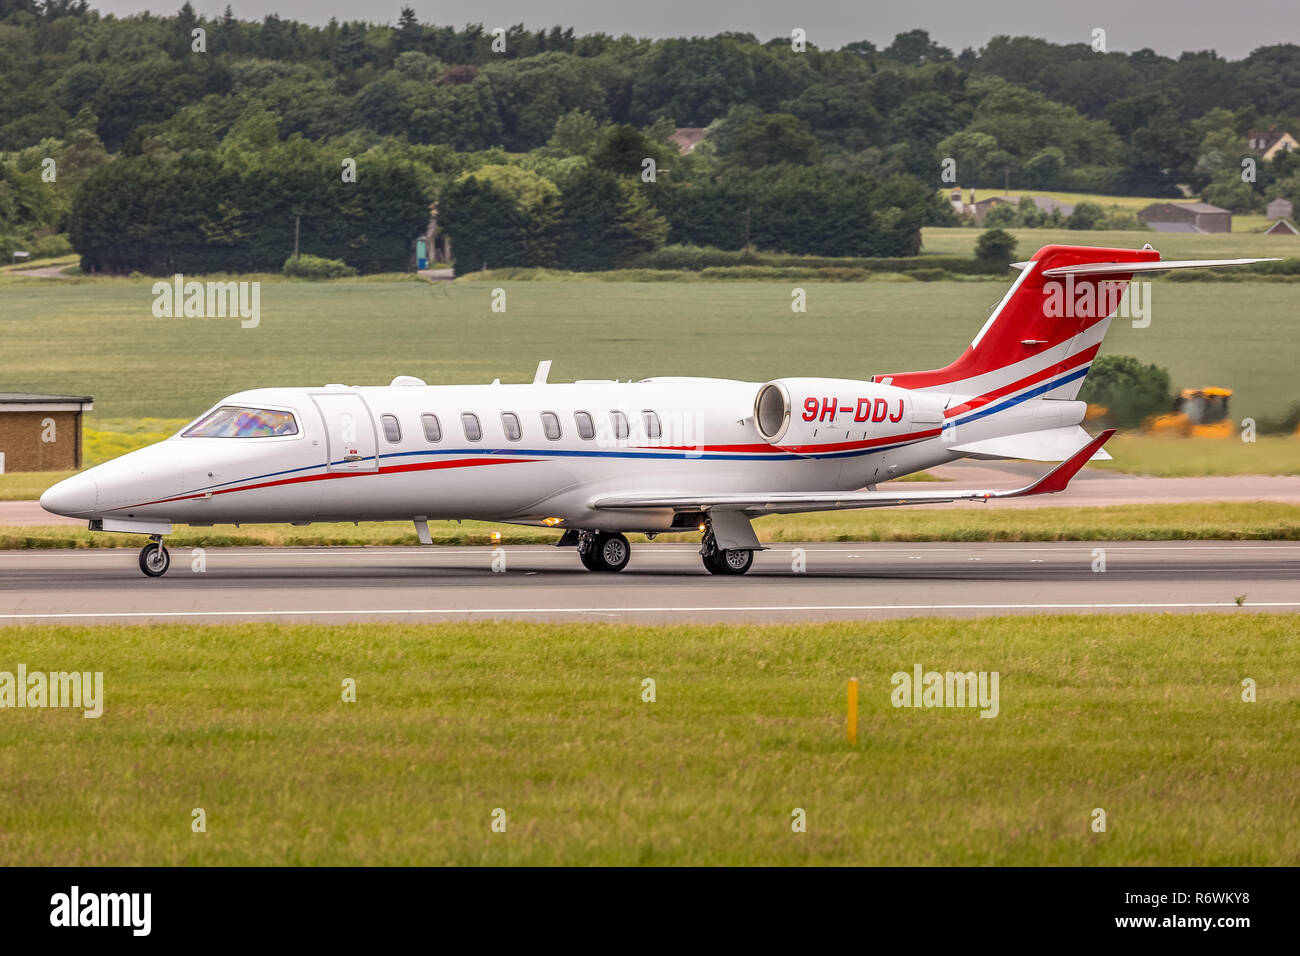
347, 463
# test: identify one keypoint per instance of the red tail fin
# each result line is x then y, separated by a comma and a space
1045, 328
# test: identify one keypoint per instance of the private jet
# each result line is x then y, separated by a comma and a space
597, 460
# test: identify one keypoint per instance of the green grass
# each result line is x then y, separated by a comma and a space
1166, 457
1228, 245
1168, 522
1138, 715
100, 337
61, 261
1128, 203
28, 485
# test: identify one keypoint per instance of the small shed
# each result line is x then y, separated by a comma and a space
41, 432
1279, 209
1282, 227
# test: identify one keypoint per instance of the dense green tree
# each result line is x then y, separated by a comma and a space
1129, 390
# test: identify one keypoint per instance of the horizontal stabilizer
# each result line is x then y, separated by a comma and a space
1128, 268
1050, 444
786, 502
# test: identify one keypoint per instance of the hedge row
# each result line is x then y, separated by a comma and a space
696, 258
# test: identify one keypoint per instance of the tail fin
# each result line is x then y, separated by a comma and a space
1043, 335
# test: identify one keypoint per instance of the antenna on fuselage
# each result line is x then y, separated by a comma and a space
542, 373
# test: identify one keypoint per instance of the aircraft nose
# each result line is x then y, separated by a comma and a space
73, 497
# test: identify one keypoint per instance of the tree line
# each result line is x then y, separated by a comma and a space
812, 151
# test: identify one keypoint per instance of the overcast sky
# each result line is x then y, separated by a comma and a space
1167, 26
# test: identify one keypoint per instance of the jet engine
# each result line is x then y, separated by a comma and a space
800, 414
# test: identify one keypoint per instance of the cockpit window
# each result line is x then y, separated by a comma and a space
236, 421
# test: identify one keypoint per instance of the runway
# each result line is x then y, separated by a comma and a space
664, 583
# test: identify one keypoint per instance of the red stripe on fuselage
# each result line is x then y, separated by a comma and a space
389, 470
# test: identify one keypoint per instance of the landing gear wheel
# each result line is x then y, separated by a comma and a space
154, 559
605, 551
590, 559
734, 561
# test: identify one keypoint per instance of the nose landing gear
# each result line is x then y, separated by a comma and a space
154, 559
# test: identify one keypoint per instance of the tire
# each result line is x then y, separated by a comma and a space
734, 561
154, 560
590, 559
613, 552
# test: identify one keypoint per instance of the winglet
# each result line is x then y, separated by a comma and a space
1056, 479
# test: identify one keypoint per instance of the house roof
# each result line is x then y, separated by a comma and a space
36, 398
1197, 208
1282, 227
687, 137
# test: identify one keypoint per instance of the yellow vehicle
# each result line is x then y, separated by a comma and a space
1198, 413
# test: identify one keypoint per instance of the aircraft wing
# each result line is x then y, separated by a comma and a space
786, 502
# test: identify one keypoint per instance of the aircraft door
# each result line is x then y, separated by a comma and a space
351, 442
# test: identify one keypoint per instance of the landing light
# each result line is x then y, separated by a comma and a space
551, 522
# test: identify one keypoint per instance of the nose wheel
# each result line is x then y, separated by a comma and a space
154, 559
604, 551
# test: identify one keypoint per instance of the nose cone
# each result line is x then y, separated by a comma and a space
73, 497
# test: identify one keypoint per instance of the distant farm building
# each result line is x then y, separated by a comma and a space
1279, 209
41, 432
1270, 143
687, 137
1186, 217
1282, 227
978, 210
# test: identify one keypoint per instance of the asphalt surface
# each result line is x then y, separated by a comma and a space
664, 583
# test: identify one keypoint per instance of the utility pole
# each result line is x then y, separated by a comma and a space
297, 220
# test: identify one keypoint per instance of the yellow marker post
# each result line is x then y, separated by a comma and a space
852, 723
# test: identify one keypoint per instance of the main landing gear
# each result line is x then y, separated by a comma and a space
154, 559
724, 560
603, 551
609, 551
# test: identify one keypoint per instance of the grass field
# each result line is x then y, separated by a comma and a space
1166, 522
1228, 245
101, 339
1133, 204
1165, 457
1140, 716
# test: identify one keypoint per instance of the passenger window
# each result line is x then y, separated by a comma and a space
432, 430
586, 427
551, 425
619, 421
510, 422
469, 421
651, 421
392, 430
